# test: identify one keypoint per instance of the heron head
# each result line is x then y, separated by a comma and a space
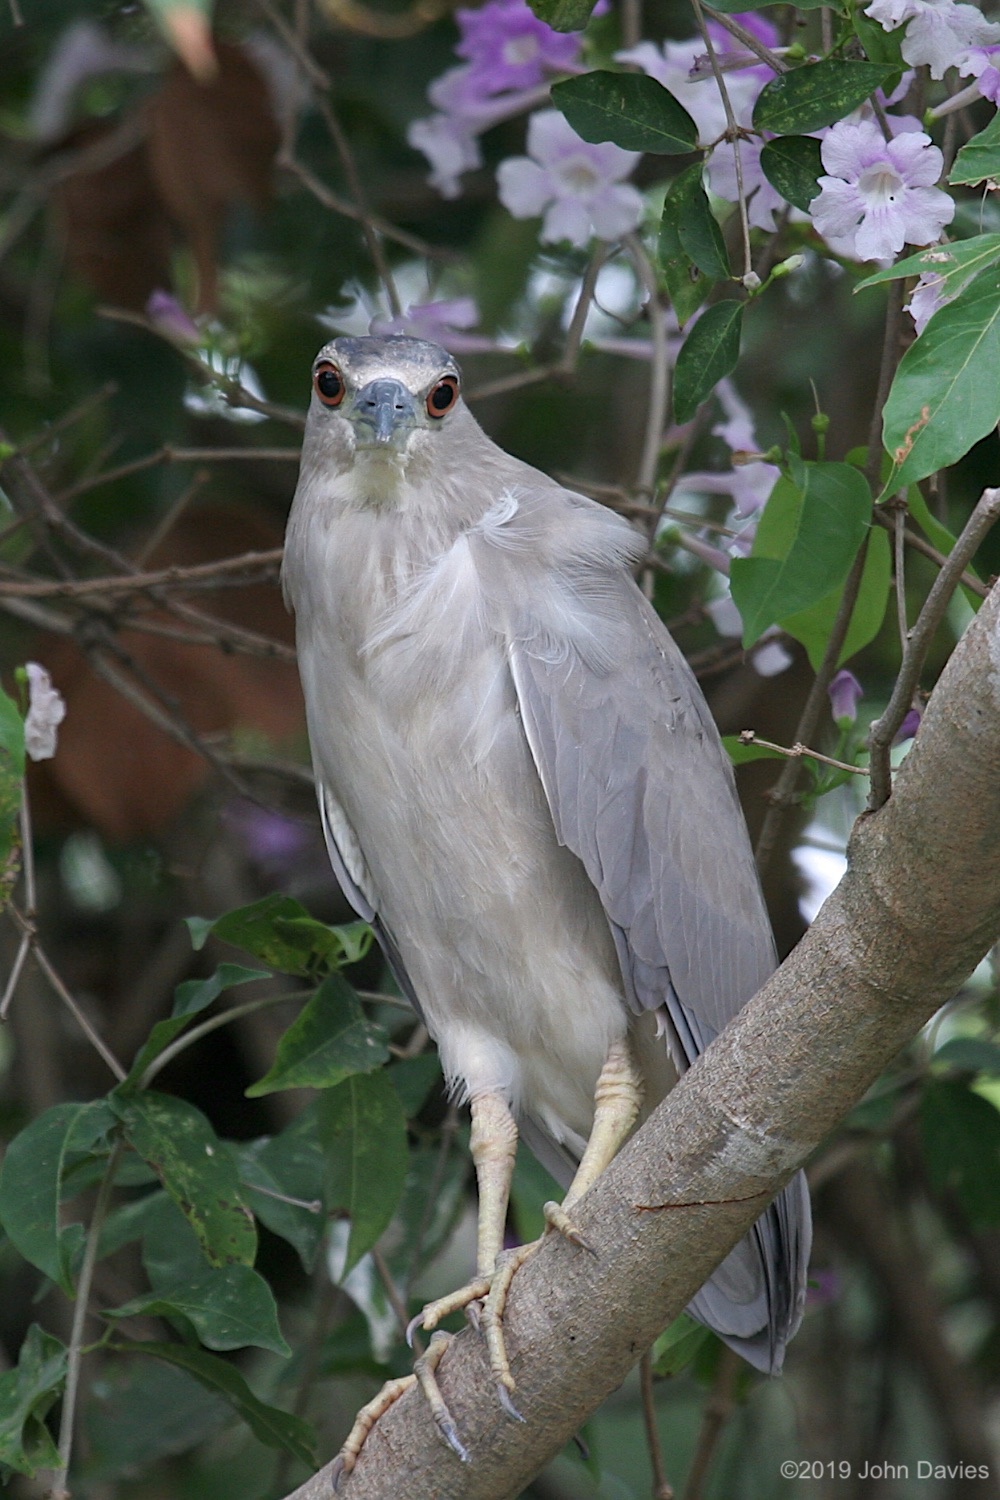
382, 392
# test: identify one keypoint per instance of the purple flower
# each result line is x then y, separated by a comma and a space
171, 319
508, 47
879, 194
576, 186
449, 144
930, 294
845, 693
274, 842
909, 726
445, 322
939, 33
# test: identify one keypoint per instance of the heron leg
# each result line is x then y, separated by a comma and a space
493, 1144
617, 1101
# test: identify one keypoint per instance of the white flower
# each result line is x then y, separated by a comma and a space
46, 711
944, 35
879, 194
576, 186
450, 145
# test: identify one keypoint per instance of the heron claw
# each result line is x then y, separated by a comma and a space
503, 1396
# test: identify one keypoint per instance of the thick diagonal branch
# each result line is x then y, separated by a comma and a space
917, 909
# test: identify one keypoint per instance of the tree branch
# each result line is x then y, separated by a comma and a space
917, 909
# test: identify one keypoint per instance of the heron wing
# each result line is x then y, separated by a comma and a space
642, 791
355, 881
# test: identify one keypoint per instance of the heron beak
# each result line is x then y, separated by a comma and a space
386, 409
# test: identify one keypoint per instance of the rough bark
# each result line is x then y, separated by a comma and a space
916, 911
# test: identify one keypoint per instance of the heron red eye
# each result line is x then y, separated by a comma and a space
443, 397
329, 384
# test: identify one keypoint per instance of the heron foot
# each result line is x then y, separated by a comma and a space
424, 1375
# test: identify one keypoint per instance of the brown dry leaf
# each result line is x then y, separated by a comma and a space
117, 771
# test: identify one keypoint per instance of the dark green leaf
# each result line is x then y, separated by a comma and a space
955, 263
230, 1308
532, 1187
31, 1183
813, 626
979, 159
276, 1428
329, 1041
971, 1054
413, 1078
129, 1222
195, 1168
290, 1165
945, 395
280, 932
880, 46
791, 164
563, 15
686, 286
26, 1394
191, 997
11, 735
677, 1346
363, 1130
630, 109
141, 1411
688, 220
807, 98
434, 1199
806, 542
961, 1132
171, 1251
709, 353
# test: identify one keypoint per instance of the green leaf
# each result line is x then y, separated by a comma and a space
955, 263
807, 98
880, 46
971, 1054
329, 1040
563, 15
11, 779
190, 998
270, 1425
979, 159
290, 1165
945, 395
709, 353
630, 109
141, 1411
807, 540
363, 1130
26, 1394
230, 1308
961, 1133
686, 286
791, 164
813, 626
280, 932
678, 1345
740, 754
688, 221
195, 1168
413, 1078
31, 1183
531, 1188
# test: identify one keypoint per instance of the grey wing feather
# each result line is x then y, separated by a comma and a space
641, 790
352, 876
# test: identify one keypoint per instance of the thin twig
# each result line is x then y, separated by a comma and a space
662, 1489
899, 568
734, 134
171, 455
338, 205
885, 728
41, 958
659, 385
205, 1028
74, 1359
752, 43
69, 418
264, 563
797, 752
716, 1414
919, 544
396, 1299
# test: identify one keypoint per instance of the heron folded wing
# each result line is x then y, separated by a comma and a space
351, 871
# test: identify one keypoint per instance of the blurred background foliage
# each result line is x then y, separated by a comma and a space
181, 786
